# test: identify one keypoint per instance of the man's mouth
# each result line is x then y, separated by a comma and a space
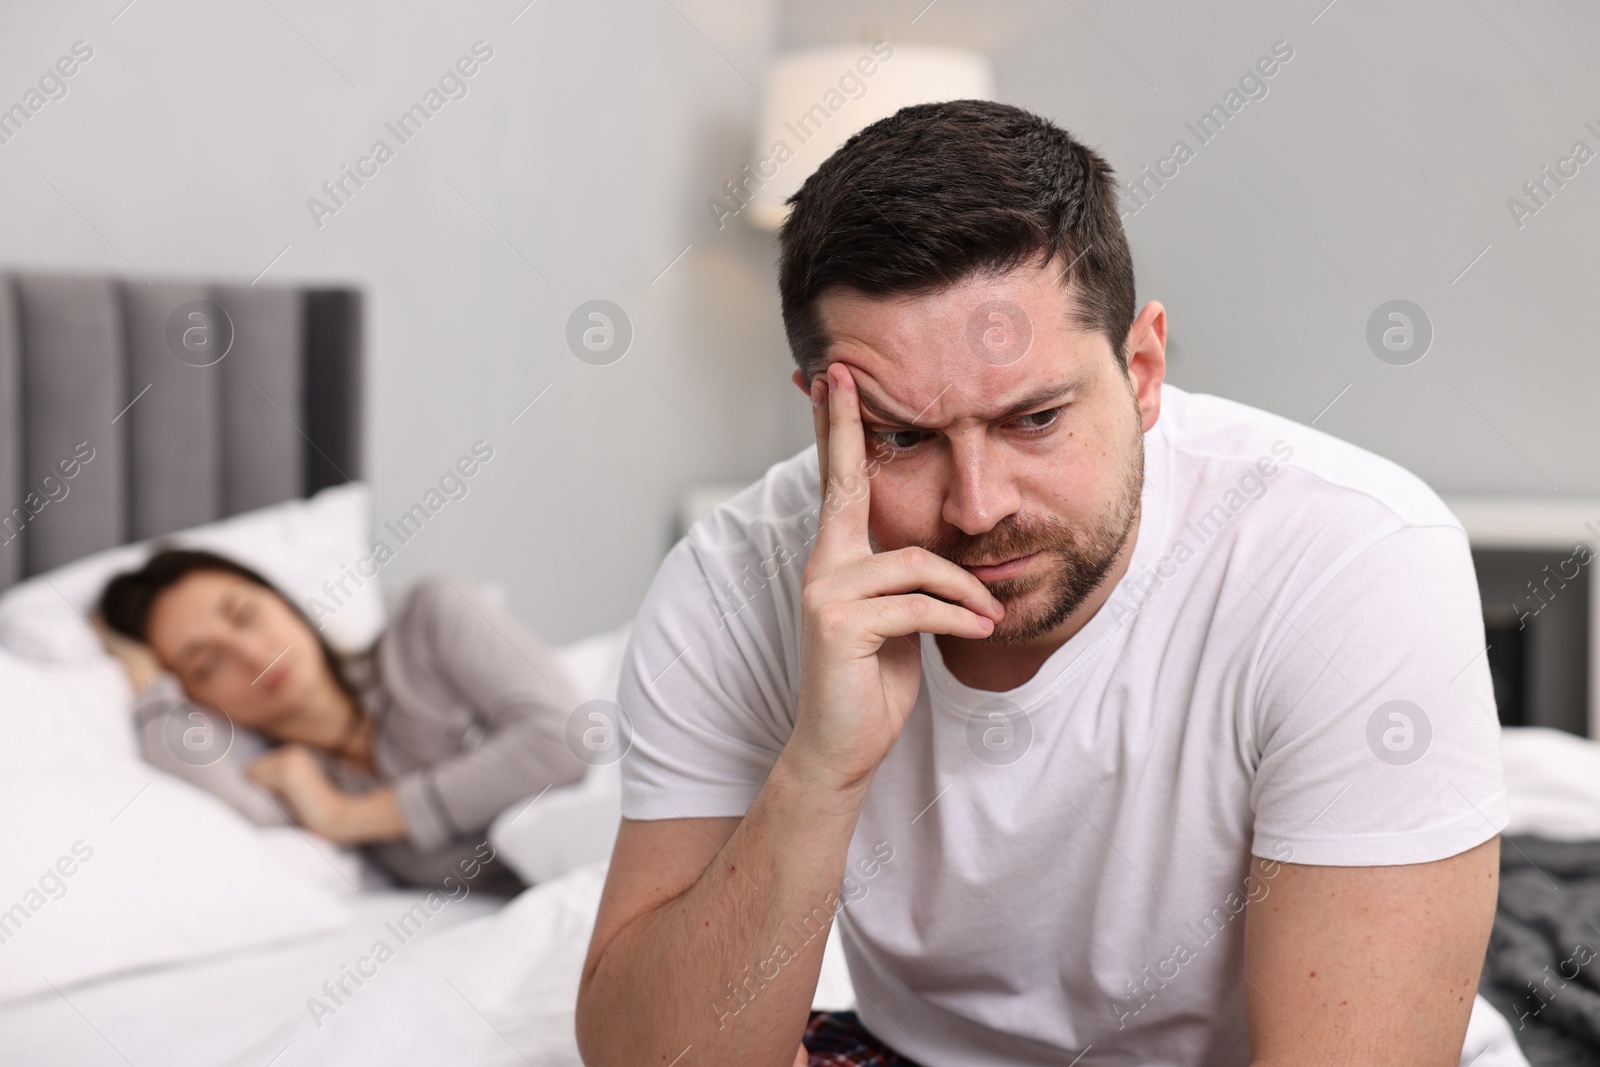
1001, 569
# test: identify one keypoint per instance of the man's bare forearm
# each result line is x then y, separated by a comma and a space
730, 965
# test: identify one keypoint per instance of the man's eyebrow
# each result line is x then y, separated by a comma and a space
878, 410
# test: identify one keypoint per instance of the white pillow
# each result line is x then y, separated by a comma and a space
567, 828
109, 864
594, 663
1552, 783
298, 545
63, 718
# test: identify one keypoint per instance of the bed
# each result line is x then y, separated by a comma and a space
141, 922
156, 926
482, 981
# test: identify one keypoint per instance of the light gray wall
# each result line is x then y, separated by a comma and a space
189, 144
583, 156
1377, 167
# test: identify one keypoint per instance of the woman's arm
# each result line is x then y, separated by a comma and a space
520, 692
202, 746
293, 773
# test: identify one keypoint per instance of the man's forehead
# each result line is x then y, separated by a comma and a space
930, 400
974, 347
935, 383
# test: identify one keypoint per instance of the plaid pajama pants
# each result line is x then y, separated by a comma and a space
837, 1039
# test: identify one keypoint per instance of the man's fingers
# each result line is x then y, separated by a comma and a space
819, 423
918, 613
846, 498
909, 570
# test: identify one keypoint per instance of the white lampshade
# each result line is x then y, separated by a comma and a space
817, 99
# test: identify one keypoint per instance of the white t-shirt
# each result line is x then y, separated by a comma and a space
1292, 666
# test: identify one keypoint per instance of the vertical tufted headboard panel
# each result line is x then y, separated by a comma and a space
129, 410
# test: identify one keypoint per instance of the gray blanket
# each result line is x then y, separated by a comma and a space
1543, 966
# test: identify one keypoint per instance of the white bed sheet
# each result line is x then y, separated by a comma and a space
498, 992
208, 1012
485, 984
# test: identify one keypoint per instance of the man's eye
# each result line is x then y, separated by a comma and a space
898, 440
1039, 420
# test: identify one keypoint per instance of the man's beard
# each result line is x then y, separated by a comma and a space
1075, 560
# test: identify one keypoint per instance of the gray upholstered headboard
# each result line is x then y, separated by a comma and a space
129, 410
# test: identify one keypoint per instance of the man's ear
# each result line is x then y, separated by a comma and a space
799, 380
1147, 360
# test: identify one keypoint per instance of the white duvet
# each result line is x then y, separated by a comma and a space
500, 991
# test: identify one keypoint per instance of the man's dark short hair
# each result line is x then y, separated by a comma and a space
937, 193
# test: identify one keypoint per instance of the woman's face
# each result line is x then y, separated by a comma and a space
235, 646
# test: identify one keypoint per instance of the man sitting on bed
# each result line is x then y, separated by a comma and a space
1111, 721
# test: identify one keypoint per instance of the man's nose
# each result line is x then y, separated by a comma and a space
980, 490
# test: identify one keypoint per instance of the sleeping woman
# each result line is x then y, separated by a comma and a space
409, 749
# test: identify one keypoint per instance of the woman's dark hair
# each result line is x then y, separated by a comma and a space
128, 598
936, 193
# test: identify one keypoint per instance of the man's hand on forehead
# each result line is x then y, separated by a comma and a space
860, 661
836, 407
